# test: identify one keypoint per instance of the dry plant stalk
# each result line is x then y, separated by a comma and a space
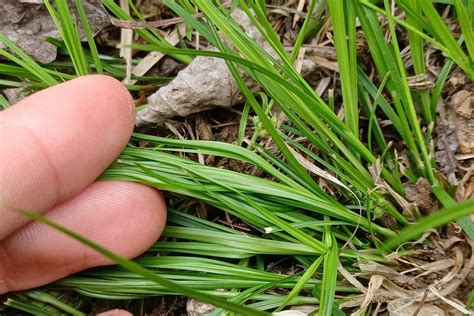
404, 294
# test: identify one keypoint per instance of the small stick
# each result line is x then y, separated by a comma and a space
148, 25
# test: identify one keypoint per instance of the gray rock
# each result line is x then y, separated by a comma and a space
28, 25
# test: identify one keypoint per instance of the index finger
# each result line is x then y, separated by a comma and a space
57, 141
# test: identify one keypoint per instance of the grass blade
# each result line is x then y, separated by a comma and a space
343, 23
328, 286
148, 274
301, 282
26, 62
89, 36
69, 31
439, 218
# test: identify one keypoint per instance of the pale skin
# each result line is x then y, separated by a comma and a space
53, 146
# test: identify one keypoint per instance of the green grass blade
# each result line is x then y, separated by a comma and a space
447, 201
443, 35
343, 23
466, 22
434, 220
301, 282
89, 36
418, 58
148, 274
328, 286
250, 244
222, 150
243, 124
26, 62
69, 31
439, 85
269, 126
386, 61
4, 103
303, 31
445, 44
372, 118
49, 299
23, 303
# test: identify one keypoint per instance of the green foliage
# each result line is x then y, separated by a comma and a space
26, 63
69, 30
433, 220
289, 215
344, 25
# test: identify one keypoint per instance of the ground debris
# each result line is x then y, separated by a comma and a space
404, 307
447, 145
455, 136
432, 278
28, 25
463, 102
463, 105
203, 128
420, 195
455, 130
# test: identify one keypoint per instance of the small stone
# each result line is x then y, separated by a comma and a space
197, 308
27, 24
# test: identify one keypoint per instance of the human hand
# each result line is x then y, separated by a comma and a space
53, 145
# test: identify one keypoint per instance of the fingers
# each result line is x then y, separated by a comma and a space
125, 218
115, 312
57, 141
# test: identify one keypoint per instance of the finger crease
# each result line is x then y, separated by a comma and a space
41, 148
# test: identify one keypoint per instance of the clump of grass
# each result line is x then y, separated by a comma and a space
290, 215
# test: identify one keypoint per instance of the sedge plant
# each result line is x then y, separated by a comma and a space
290, 216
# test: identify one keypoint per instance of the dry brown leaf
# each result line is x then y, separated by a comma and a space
374, 285
352, 279
404, 307
203, 128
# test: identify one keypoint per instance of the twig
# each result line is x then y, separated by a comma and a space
149, 25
